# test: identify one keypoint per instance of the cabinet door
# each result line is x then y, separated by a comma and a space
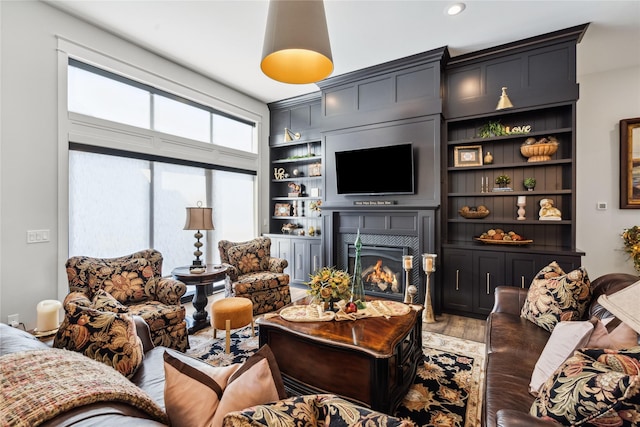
457, 286
488, 270
315, 254
300, 267
281, 248
521, 268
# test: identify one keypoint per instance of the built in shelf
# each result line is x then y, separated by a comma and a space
510, 136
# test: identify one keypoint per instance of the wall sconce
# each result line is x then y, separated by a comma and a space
504, 101
198, 218
289, 135
296, 42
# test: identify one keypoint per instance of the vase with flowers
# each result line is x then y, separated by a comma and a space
631, 238
329, 285
315, 206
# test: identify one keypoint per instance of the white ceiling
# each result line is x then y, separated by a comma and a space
223, 39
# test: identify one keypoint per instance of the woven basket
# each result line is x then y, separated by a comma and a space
473, 215
539, 152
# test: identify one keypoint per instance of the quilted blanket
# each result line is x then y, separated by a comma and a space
38, 385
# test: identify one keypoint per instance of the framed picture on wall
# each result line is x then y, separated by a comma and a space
630, 163
468, 155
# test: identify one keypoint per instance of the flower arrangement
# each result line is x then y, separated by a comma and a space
503, 180
631, 237
329, 284
315, 205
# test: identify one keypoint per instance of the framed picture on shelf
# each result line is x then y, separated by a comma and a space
468, 155
315, 169
630, 163
282, 209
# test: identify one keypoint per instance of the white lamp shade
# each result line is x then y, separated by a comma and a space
199, 219
296, 43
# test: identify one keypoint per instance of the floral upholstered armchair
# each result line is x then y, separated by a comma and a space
132, 285
255, 274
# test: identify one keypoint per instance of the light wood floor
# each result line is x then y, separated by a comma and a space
446, 324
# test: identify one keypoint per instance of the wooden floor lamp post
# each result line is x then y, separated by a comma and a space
429, 266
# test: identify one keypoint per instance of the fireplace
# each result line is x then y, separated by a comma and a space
382, 272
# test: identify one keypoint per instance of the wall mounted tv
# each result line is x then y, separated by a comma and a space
375, 171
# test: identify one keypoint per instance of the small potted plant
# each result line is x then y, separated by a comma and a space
529, 183
502, 181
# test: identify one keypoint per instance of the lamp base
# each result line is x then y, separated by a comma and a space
196, 264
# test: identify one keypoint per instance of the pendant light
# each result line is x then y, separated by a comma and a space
296, 42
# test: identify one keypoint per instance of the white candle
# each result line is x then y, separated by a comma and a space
47, 315
427, 264
408, 262
522, 200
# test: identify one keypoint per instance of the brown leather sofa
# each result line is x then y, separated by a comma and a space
513, 346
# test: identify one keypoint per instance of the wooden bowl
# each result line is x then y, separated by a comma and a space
539, 152
473, 214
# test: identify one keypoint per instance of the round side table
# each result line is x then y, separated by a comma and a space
212, 274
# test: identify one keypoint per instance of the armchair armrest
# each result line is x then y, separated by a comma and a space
168, 290
277, 265
509, 299
232, 271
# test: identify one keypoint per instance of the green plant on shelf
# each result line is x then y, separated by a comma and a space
529, 183
492, 129
503, 180
304, 156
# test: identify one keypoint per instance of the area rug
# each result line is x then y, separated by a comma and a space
447, 390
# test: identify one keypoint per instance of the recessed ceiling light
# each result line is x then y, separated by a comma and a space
455, 9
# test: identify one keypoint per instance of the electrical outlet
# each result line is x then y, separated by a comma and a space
14, 320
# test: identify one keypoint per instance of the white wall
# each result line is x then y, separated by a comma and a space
605, 99
29, 142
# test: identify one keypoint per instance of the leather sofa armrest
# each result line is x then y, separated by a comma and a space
168, 290
509, 299
513, 418
144, 333
277, 265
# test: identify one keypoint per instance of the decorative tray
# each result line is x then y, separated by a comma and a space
306, 313
503, 242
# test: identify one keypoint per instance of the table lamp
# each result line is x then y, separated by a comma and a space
198, 218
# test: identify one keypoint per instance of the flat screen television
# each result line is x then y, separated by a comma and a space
375, 171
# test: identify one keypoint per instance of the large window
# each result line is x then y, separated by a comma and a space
105, 95
118, 205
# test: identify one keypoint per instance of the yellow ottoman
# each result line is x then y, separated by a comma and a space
231, 313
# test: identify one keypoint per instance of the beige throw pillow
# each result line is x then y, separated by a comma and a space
566, 338
621, 337
197, 395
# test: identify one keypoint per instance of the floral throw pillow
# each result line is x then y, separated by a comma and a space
556, 296
104, 301
105, 336
593, 387
251, 257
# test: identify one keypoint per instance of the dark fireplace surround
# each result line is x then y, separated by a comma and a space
386, 236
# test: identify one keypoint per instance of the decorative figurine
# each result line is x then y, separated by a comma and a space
522, 202
548, 212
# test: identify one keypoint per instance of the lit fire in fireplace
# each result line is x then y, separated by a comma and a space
381, 277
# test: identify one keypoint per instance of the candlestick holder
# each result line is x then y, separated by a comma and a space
429, 266
410, 291
521, 204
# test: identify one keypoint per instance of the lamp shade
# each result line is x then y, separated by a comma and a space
199, 219
296, 43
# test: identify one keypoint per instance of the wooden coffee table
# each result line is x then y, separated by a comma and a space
371, 361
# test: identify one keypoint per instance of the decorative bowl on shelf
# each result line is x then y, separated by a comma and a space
539, 151
473, 212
